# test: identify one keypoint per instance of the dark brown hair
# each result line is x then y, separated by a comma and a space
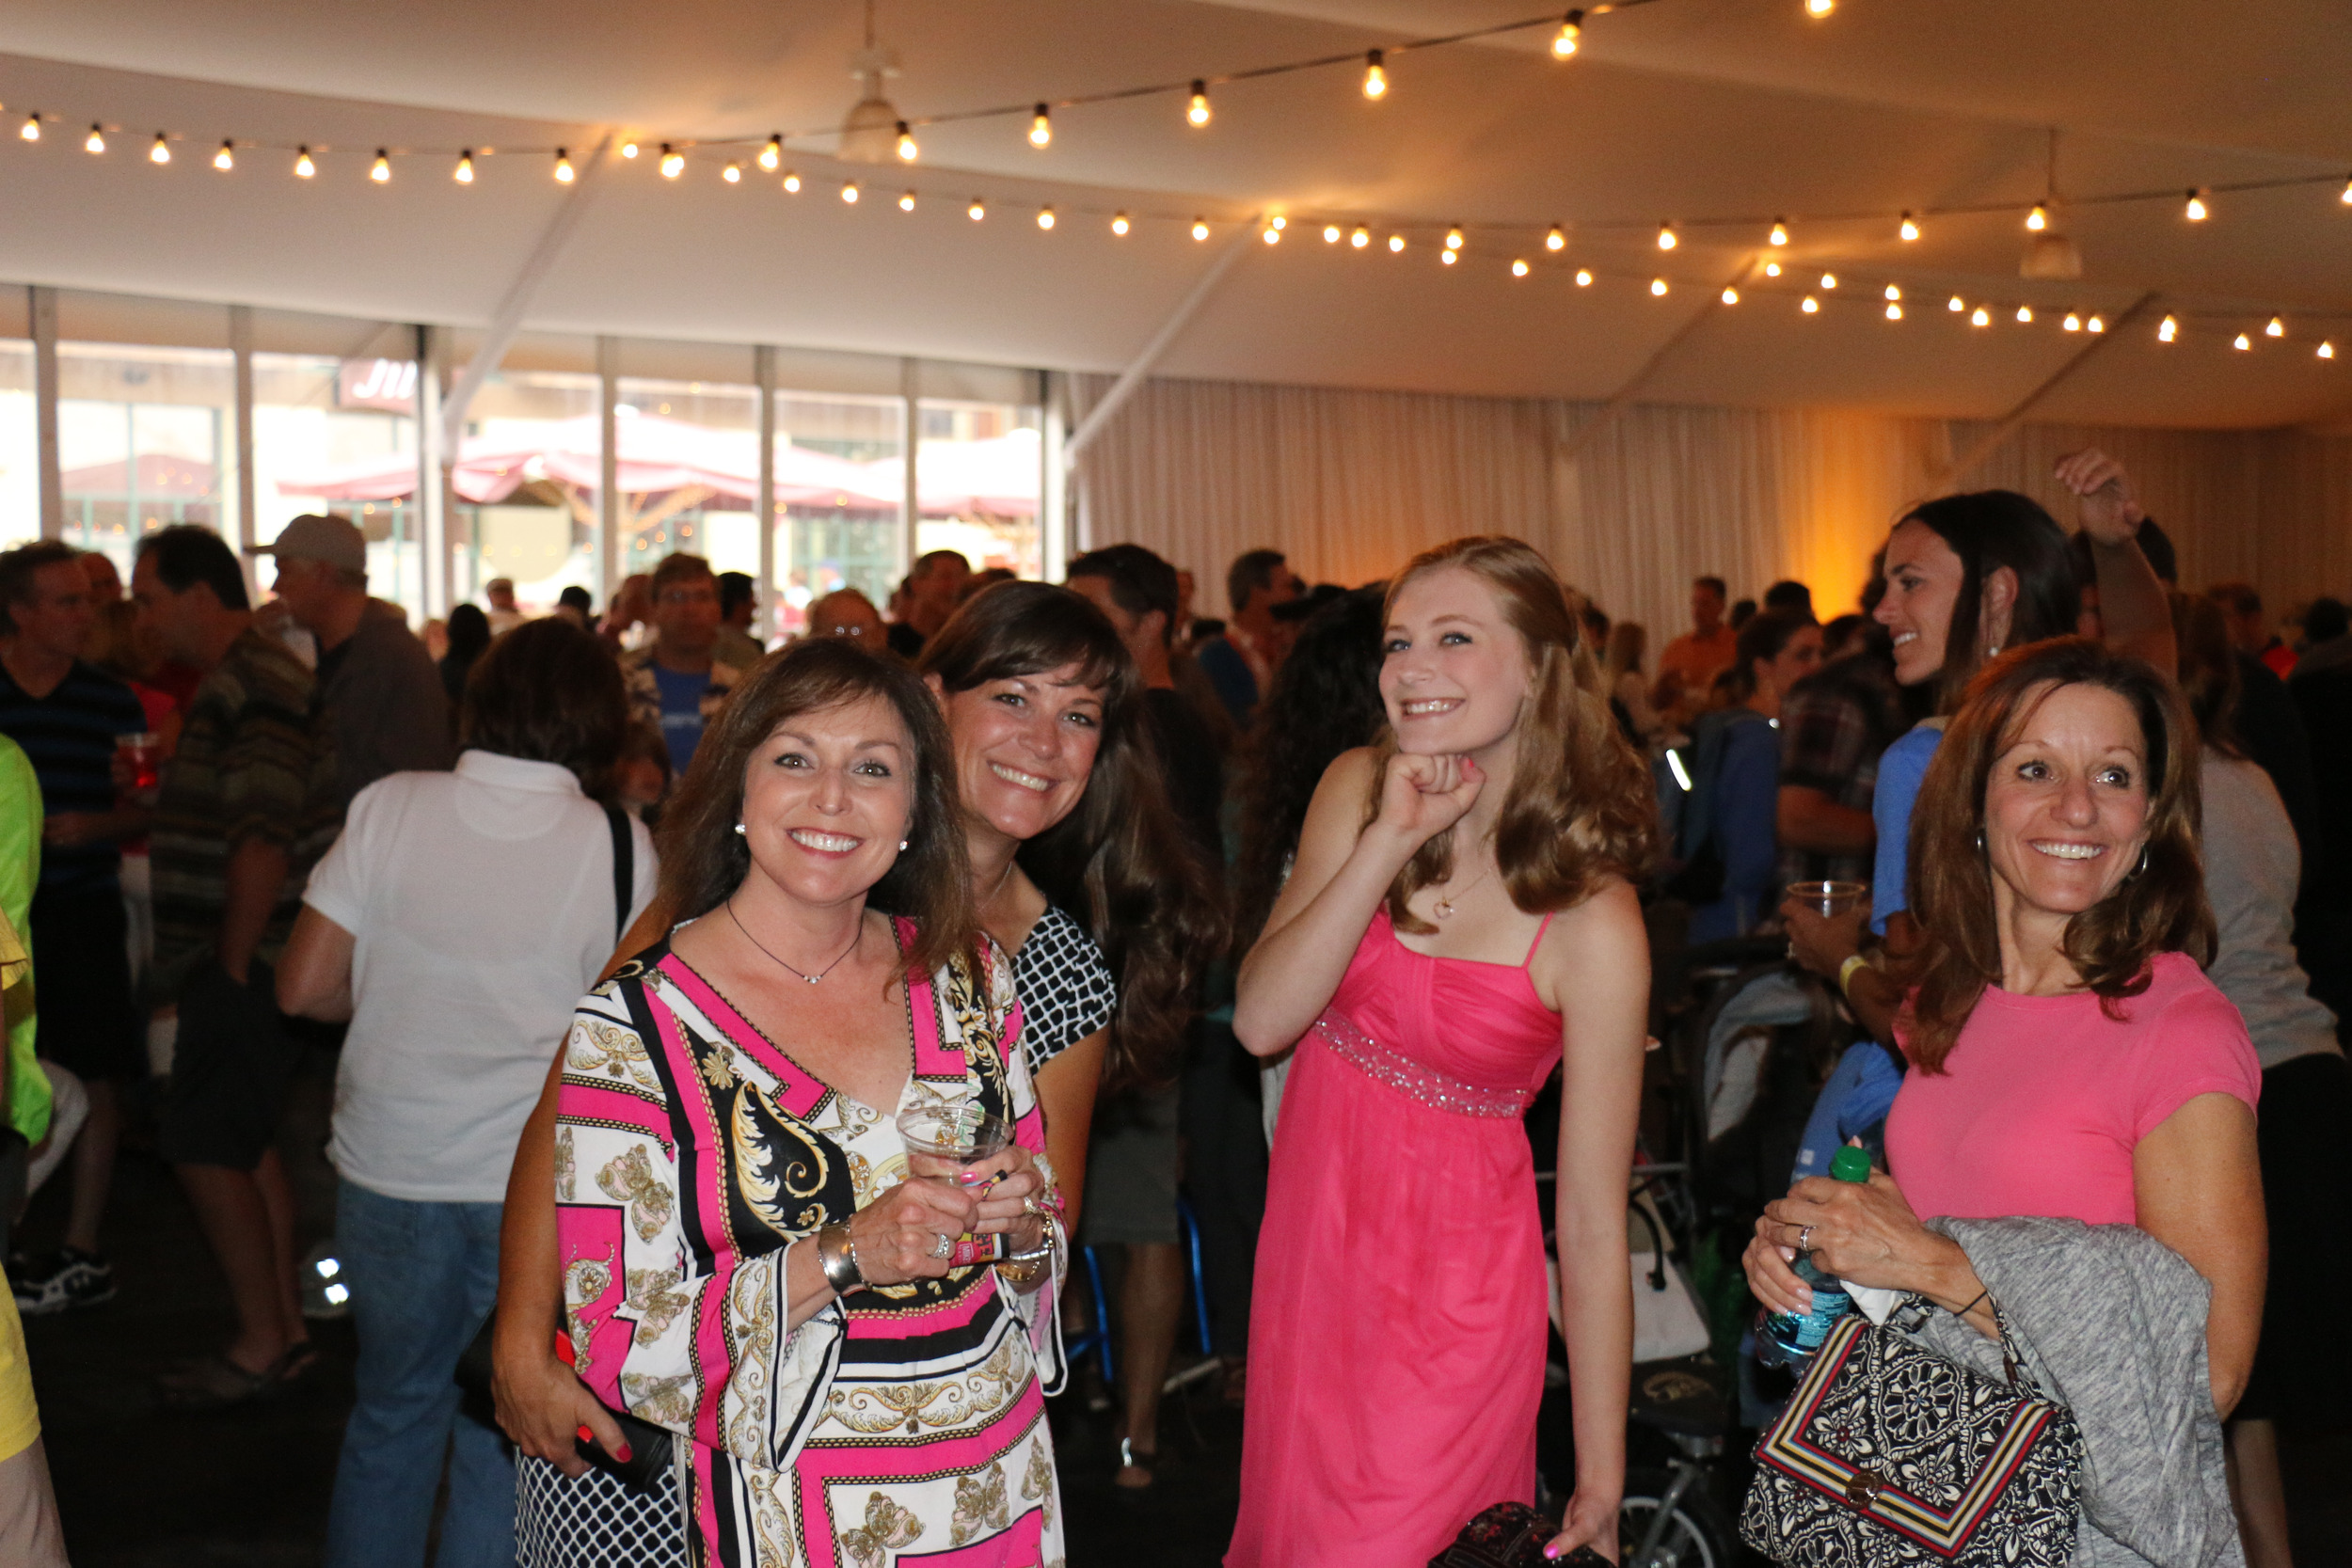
1581, 806
18, 566
1989, 529
548, 691
2209, 669
679, 567
704, 859
1119, 862
2159, 907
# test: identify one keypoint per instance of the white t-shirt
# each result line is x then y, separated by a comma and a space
482, 905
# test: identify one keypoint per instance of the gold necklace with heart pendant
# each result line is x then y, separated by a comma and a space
1443, 908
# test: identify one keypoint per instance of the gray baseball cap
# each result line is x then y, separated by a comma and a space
314, 537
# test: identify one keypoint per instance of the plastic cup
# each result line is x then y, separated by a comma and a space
144, 754
945, 1140
1828, 899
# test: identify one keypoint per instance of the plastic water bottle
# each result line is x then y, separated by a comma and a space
1788, 1338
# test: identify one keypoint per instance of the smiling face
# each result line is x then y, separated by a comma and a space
2066, 804
1025, 748
1454, 672
1923, 578
827, 797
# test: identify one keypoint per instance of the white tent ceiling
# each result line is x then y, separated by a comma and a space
1682, 110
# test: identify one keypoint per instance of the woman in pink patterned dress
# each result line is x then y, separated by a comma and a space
1460, 918
748, 1261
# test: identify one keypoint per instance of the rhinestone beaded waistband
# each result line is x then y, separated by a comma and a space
1411, 1077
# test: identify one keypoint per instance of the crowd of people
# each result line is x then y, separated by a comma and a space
736, 1046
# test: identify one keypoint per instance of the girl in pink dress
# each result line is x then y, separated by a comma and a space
1458, 921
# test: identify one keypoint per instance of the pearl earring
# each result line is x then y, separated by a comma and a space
738, 827
902, 845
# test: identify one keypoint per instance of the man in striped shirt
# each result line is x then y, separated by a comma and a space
67, 715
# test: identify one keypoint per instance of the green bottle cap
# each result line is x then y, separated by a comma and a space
1851, 1164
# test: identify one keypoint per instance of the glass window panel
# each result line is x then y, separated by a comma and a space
979, 473
527, 478
20, 446
840, 499
688, 469
341, 435
145, 437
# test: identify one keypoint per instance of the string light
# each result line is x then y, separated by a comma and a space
2242, 342
30, 130
908, 148
1829, 280
1557, 239
1893, 293
2167, 329
2024, 315
1453, 238
1957, 304
95, 141
1810, 305
1273, 234
463, 174
1779, 236
2195, 211
1041, 128
673, 163
906, 201
792, 183
2346, 200
226, 159
1376, 76
1771, 269
849, 193
1893, 312
381, 170
161, 151
2039, 218
1199, 230
977, 210
1396, 245
772, 155
629, 148
563, 175
2326, 350
1819, 9
1657, 288
2072, 323
1199, 110
2277, 328
1360, 238
1520, 268
1571, 30
1666, 236
1980, 317
732, 174
1331, 233
1045, 217
1280, 222
1910, 230
2096, 324
303, 167
1583, 278
1446, 256
1731, 297
1119, 224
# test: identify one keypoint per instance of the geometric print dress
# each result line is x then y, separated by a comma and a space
903, 1425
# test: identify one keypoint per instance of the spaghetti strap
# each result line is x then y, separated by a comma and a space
1539, 939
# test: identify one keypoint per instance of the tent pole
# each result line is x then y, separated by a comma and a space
44, 312
608, 469
911, 402
1131, 377
241, 344
764, 507
1991, 439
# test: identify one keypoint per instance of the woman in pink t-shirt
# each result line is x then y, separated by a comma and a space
2069, 1056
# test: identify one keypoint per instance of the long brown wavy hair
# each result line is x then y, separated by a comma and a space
2159, 907
704, 859
1580, 807
1119, 862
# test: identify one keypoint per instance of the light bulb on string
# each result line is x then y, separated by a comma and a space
1731, 295
95, 141
1199, 230
2096, 324
2024, 315
1779, 236
1771, 269
381, 170
1829, 280
2326, 350
1453, 238
1667, 239
2195, 211
1359, 238
1894, 311
1396, 245
1557, 239
1119, 224
1980, 317
849, 193
30, 130
2072, 323
792, 183
1331, 233
906, 201
1519, 267
1376, 76
1657, 288
226, 159
1893, 293
564, 172
629, 148
1197, 110
908, 150
1563, 44
1045, 217
1272, 234
1819, 9
1810, 305
2167, 329
2241, 341
161, 151
2277, 328
1910, 230
1957, 304
463, 173
732, 174
2346, 200
1446, 256
2039, 218
977, 210
1279, 222
303, 167
772, 155
1041, 128
1583, 278
673, 163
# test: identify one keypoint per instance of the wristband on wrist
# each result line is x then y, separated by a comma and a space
836, 1254
1845, 974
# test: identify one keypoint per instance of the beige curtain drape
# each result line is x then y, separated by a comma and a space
1633, 504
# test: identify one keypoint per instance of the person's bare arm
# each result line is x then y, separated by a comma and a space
1066, 1088
1595, 963
256, 876
2132, 598
1808, 819
70, 829
2199, 1186
315, 972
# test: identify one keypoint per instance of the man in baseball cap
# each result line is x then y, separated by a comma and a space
384, 698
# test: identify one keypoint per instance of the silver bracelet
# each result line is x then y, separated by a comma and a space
1044, 1248
836, 1254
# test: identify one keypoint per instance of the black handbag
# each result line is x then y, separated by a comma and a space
1889, 1453
1511, 1535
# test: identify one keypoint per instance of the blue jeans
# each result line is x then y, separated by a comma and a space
423, 1277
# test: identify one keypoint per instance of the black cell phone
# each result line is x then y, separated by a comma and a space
648, 1467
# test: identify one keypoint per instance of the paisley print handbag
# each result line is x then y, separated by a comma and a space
1889, 1453
1511, 1535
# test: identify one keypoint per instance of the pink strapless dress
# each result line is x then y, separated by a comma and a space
1397, 1330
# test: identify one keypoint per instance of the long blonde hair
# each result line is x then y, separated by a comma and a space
1580, 808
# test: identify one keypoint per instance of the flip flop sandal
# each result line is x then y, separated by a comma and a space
1141, 1463
213, 1383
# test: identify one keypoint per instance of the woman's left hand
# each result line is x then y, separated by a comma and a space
1004, 1210
1862, 1232
1590, 1521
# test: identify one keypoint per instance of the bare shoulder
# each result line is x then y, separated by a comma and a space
1597, 950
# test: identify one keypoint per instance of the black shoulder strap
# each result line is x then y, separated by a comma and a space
624, 868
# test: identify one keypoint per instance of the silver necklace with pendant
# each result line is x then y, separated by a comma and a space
1443, 908
812, 979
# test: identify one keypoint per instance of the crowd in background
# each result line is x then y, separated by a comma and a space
233, 832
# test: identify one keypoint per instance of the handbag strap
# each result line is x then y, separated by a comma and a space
1913, 1313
